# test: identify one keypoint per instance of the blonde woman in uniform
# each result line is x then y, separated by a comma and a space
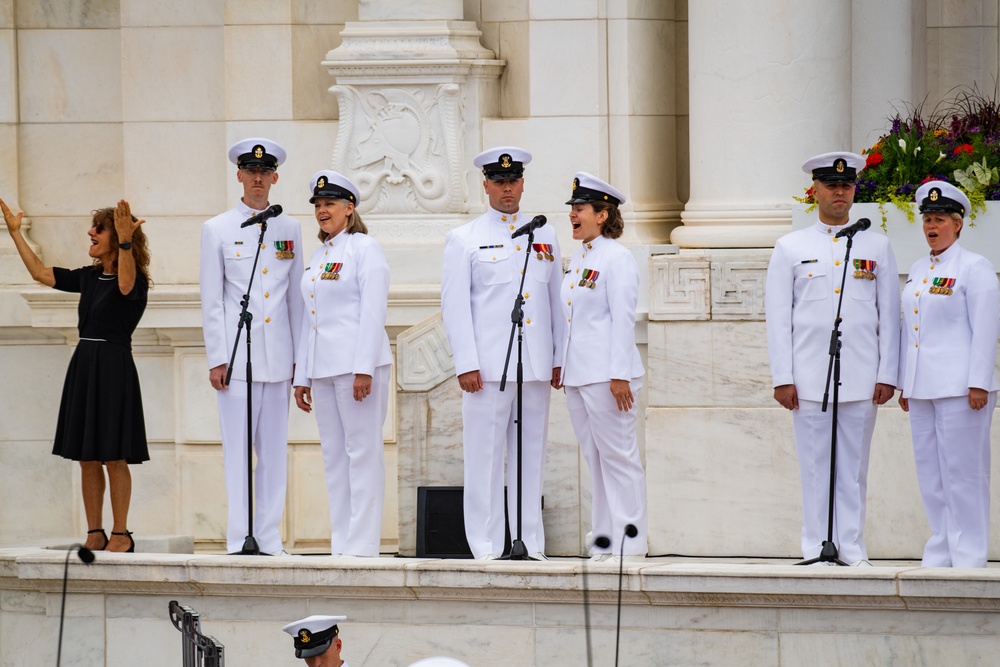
951, 319
342, 365
602, 370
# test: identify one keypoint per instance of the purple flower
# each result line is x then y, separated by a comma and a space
905, 189
895, 125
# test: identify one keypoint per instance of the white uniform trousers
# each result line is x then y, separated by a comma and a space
489, 431
951, 445
618, 483
270, 446
855, 424
350, 433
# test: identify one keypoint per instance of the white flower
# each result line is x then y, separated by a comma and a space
902, 144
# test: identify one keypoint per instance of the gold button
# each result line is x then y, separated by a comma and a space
916, 345
915, 328
238, 255
522, 272
512, 226
314, 279
518, 247
925, 279
503, 218
918, 294
569, 319
572, 285
494, 258
810, 275
310, 295
526, 295
266, 295
515, 217
578, 270
932, 266
267, 319
314, 312
835, 239
837, 263
836, 290
265, 269
915, 310
528, 321
569, 303
263, 247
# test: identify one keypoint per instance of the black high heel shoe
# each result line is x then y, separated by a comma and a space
103, 534
127, 534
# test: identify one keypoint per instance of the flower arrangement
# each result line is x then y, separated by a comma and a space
958, 142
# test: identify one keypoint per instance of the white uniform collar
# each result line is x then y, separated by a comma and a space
508, 219
827, 230
246, 210
596, 243
335, 241
952, 251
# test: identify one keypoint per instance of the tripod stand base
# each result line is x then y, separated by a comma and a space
250, 548
827, 555
517, 552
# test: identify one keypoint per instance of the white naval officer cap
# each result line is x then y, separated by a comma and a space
502, 162
332, 184
257, 153
942, 197
313, 635
439, 662
589, 188
834, 167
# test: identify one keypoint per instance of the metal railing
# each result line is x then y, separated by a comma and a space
198, 650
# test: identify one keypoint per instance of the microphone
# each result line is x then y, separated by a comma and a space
630, 532
266, 214
859, 226
600, 542
536, 222
87, 556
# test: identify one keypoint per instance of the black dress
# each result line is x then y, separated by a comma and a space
100, 417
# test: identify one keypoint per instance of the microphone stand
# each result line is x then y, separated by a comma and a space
87, 556
518, 550
829, 553
630, 532
602, 542
250, 547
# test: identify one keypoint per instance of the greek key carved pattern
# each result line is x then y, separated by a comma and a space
423, 355
738, 289
679, 288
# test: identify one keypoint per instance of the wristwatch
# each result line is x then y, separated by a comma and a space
125, 246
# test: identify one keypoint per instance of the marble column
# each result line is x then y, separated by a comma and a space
883, 77
770, 85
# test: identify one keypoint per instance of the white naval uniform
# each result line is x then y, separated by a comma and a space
803, 285
600, 346
227, 255
482, 271
949, 344
343, 335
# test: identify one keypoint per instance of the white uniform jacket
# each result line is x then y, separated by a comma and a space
343, 322
227, 253
599, 296
803, 285
482, 271
951, 320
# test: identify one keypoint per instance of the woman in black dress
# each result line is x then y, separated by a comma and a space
100, 416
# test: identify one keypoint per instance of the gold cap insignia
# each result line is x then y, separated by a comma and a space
321, 183
304, 636
505, 161
934, 194
258, 152
839, 165
576, 183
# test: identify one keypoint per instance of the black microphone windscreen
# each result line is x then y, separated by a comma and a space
602, 542
277, 209
864, 223
631, 530
86, 555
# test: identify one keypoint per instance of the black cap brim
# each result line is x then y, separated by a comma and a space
312, 651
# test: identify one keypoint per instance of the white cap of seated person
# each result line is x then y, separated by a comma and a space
317, 640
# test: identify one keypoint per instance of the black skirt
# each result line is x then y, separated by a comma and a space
100, 417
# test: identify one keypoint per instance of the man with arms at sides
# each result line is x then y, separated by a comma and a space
227, 258
803, 287
482, 272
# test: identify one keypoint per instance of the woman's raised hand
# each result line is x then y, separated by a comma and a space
13, 221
